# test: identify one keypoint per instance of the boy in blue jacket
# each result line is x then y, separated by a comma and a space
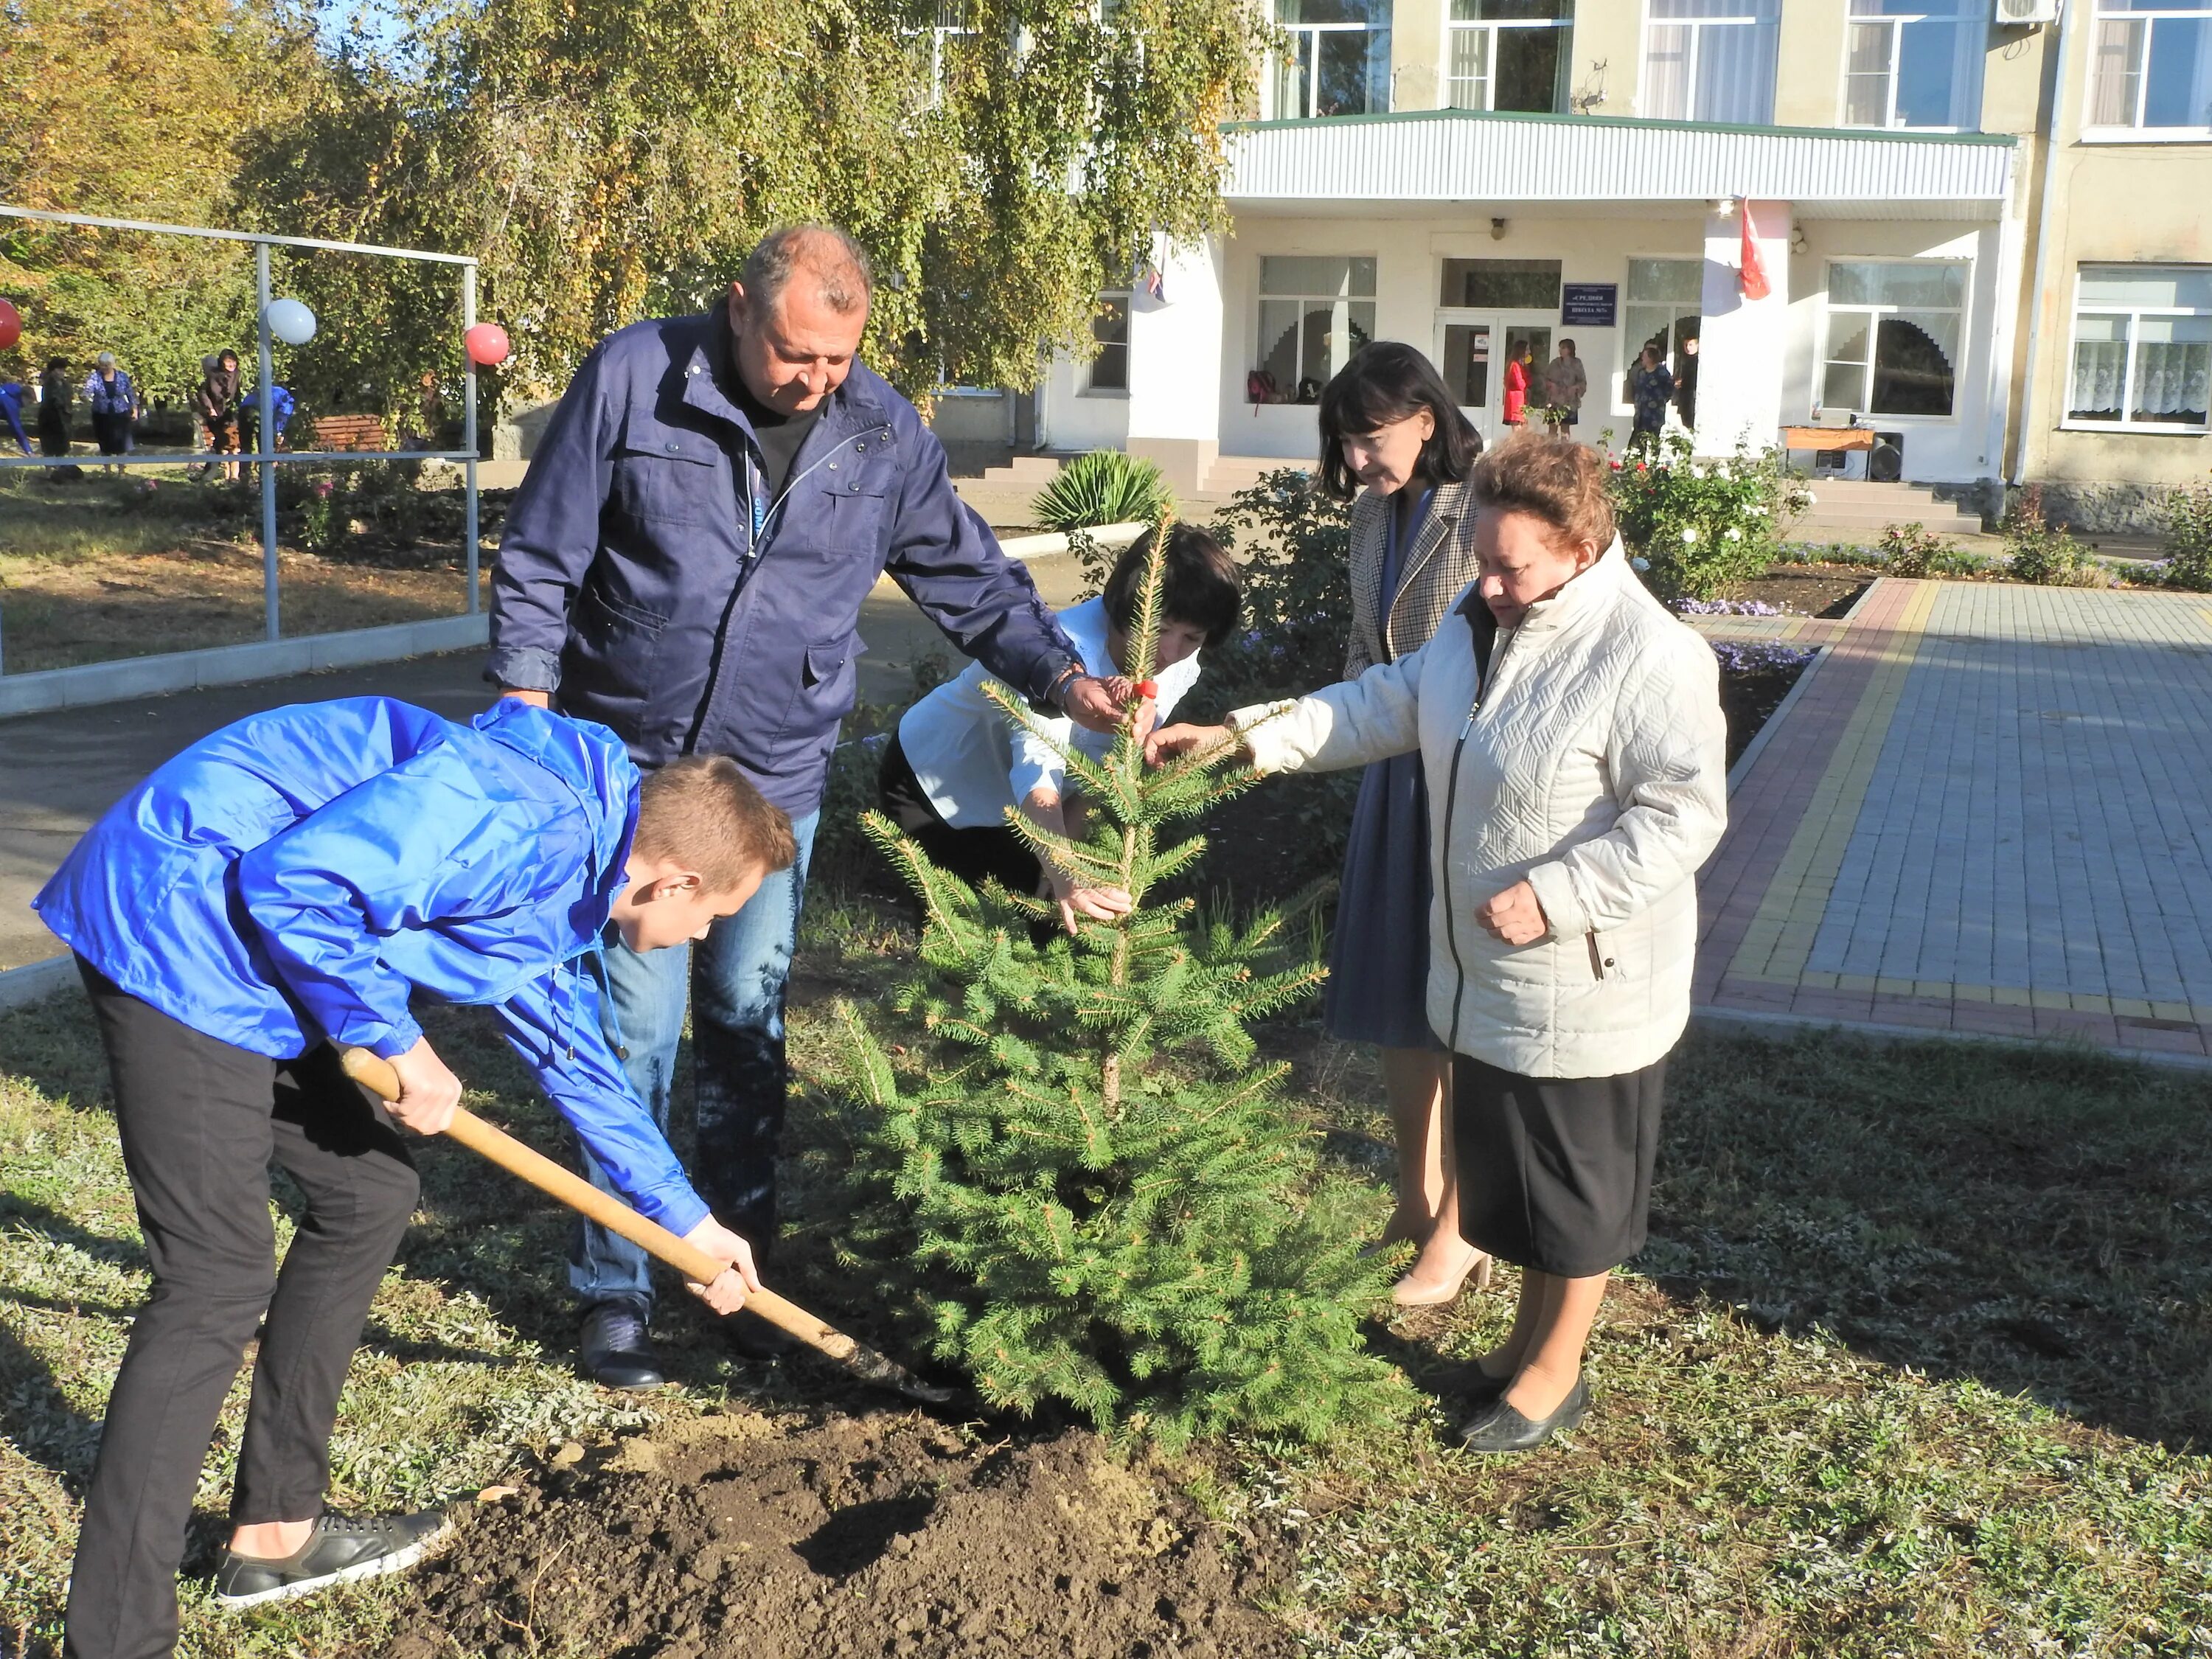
281, 888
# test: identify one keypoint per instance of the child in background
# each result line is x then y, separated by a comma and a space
957, 764
282, 888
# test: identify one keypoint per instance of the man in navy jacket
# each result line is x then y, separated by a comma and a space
284, 886
686, 562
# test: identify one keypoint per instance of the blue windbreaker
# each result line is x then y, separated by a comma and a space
296, 875
11, 411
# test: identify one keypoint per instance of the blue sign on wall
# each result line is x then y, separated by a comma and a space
1589, 304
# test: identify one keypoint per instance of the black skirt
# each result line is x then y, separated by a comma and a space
1555, 1173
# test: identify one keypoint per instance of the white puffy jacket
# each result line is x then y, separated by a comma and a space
1594, 764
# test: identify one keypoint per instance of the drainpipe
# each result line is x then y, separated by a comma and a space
2042, 211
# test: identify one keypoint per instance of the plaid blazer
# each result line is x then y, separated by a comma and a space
1436, 569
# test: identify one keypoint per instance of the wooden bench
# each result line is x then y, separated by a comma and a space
350, 432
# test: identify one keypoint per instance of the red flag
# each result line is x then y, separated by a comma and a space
1753, 277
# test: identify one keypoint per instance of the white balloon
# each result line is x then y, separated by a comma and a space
291, 322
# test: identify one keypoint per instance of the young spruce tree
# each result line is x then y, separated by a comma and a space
1080, 1164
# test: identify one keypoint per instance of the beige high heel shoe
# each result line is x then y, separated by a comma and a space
1477, 1269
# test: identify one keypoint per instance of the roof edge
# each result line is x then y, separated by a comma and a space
1880, 135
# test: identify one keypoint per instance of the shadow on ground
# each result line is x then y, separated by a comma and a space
2035, 1219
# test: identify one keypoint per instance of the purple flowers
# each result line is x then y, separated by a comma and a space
1761, 656
1689, 607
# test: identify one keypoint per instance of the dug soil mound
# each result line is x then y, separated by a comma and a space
737, 1535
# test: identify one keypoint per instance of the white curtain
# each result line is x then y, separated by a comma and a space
2172, 378
1735, 73
2100, 366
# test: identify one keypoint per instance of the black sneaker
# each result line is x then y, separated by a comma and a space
614, 1349
340, 1548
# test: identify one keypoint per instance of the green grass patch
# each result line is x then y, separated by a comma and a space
1919, 1361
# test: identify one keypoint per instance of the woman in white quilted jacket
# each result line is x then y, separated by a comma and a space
1570, 729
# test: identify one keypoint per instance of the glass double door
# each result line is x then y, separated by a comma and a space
1473, 349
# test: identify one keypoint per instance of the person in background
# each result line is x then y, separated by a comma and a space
1392, 437
215, 403
708, 509
956, 764
55, 394
1566, 384
115, 407
1575, 725
1686, 384
1651, 389
12, 393
1519, 372
281, 407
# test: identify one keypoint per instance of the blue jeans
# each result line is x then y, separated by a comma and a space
733, 981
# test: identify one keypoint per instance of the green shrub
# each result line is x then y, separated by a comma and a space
2039, 552
2189, 538
1912, 550
1103, 487
1701, 525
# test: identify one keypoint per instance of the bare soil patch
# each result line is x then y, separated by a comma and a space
739, 1534
105, 606
1818, 590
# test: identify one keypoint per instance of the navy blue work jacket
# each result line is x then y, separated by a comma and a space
631, 585
297, 875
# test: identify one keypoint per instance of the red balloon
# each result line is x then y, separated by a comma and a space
11, 324
486, 346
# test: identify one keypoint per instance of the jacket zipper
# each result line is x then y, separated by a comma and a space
759, 541
1482, 685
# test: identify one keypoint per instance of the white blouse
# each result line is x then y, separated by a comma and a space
972, 763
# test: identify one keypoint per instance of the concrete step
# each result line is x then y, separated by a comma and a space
1035, 471
1943, 522
1231, 473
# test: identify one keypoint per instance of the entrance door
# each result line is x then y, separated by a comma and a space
1472, 350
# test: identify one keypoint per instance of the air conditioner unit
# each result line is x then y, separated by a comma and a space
2019, 13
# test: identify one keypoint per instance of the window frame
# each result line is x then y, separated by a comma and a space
1453, 27
2093, 132
1829, 308
1272, 84
1090, 388
1303, 297
1963, 13
2068, 421
1767, 14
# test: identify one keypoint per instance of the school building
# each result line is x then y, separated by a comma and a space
1983, 224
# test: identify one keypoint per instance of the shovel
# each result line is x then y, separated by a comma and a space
861, 1361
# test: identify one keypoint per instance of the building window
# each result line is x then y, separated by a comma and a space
1510, 54
1338, 61
1314, 313
1710, 60
1893, 336
1663, 308
1502, 284
1915, 64
2150, 67
951, 24
2143, 347
1109, 326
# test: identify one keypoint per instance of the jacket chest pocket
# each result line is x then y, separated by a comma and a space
676, 479
852, 515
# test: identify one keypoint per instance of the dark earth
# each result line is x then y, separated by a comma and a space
740, 1534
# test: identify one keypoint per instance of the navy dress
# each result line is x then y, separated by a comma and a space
1378, 959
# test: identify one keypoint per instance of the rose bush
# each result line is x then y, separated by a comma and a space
1701, 524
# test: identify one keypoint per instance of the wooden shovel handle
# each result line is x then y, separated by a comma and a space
375, 1072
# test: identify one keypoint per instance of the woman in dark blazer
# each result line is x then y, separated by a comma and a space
1393, 439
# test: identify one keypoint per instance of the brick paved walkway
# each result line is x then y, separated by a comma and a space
1987, 810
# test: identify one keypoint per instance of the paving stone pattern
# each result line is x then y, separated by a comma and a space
1988, 809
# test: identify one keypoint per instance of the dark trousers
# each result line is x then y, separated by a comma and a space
200, 1121
991, 852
